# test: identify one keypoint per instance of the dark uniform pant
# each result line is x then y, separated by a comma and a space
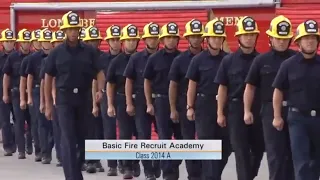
95, 131
246, 140
277, 145
304, 135
143, 124
21, 116
109, 126
207, 129
126, 126
73, 111
44, 125
166, 129
188, 131
56, 134
34, 129
7, 129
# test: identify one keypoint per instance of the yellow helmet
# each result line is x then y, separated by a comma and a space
70, 20
309, 27
45, 35
113, 32
24, 35
82, 33
7, 35
58, 36
151, 30
280, 27
194, 27
129, 32
170, 29
35, 35
247, 25
215, 28
92, 33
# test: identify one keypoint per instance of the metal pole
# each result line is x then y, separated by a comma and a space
13, 19
123, 6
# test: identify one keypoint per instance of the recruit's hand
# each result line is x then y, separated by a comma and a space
191, 114
30, 101
174, 115
48, 112
111, 111
221, 120
278, 123
42, 108
6, 99
150, 109
130, 110
248, 118
95, 111
23, 104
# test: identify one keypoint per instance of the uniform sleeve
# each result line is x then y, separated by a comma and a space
111, 72
174, 74
97, 62
7, 67
29, 69
193, 71
149, 69
281, 81
50, 65
23, 67
42, 68
129, 72
253, 76
222, 73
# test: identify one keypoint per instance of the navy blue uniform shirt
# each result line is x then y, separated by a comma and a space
157, 70
41, 75
203, 69
264, 69
3, 58
34, 65
301, 78
12, 67
179, 70
24, 65
105, 59
116, 70
135, 68
233, 71
73, 67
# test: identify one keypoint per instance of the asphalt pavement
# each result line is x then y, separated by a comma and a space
14, 169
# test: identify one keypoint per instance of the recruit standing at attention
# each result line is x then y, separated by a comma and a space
116, 93
299, 76
11, 83
135, 97
261, 74
156, 85
246, 136
34, 81
7, 40
178, 89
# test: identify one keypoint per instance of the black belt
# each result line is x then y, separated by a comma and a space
154, 95
206, 95
236, 100
36, 86
74, 90
313, 113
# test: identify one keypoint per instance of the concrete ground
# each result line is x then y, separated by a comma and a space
14, 169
